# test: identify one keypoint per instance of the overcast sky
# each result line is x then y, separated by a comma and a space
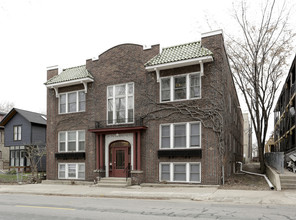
36, 34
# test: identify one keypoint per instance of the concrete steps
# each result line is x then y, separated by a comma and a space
114, 182
288, 181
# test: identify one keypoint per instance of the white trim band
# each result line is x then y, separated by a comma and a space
212, 33
200, 60
83, 81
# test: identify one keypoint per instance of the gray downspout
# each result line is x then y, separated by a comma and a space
257, 174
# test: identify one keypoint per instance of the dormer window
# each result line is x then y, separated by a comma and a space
182, 87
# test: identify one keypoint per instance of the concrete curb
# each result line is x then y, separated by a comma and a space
198, 194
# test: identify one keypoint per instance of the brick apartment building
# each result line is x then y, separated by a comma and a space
169, 116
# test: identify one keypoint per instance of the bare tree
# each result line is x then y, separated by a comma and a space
258, 58
34, 154
6, 106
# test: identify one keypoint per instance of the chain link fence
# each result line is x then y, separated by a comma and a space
14, 177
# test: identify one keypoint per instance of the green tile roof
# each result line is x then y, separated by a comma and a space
178, 53
78, 72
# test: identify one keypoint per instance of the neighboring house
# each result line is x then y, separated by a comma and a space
23, 128
4, 152
170, 116
247, 139
284, 115
269, 145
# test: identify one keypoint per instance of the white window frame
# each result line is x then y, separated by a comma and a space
67, 170
172, 87
67, 103
17, 133
17, 157
172, 137
126, 96
187, 170
76, 140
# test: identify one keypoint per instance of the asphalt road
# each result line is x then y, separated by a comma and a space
19, 206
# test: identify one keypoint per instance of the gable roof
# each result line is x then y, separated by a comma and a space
73, 73
179, 53
32, 117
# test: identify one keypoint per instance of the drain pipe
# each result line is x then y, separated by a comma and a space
257, 174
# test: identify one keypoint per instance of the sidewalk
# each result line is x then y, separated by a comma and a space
206, 194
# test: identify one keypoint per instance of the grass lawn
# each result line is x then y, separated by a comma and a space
12, 178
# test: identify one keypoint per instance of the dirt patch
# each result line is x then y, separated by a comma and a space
242, 181
245, 182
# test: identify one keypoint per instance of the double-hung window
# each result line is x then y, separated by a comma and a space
71, 171
180, 172
72, 102
182, 87
18, 156
179, 87
17, 133
71, 141
120, 103
165, 136
180, 135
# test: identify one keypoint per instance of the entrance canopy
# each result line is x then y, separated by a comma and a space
110, 141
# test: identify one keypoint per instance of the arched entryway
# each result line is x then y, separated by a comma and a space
119, 158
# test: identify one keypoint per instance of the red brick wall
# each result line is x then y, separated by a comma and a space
123, 64
233, 121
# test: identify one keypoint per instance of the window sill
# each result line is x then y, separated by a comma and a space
180, 148
67, 113
121, 123
181, 100
179, 182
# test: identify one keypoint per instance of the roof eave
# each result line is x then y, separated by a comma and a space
7, 117
199, 60
83, 81
181, 63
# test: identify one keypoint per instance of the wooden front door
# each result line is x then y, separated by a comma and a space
119, 159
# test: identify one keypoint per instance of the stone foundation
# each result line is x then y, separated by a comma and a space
99, 174
137, 177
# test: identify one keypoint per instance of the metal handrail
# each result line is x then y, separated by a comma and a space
127, 122
127, 171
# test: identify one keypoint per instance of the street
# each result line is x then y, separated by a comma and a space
20, 206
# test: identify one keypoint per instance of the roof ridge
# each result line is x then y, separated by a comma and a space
73, 67
29, 111
179, 52
194, 42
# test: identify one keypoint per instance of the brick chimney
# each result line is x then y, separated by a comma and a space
213, 39
52, 71
150, 52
